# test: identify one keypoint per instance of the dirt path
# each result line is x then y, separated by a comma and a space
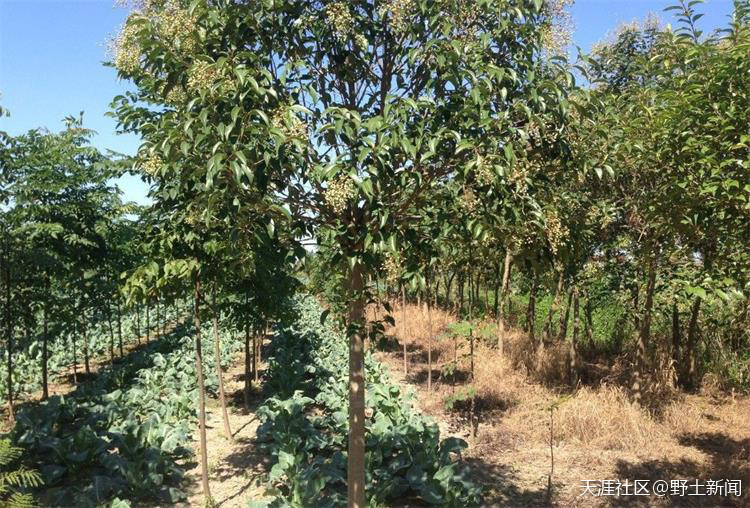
236, 469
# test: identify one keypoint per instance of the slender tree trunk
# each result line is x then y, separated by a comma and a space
676, 335
111, 336
565, 316
691, 370
589, 320
219, 372
573, 372
45, 342
547, 333
201, 394
461, 284
531, 309
138, 324
403, 326
148, 323
356, 454
256, 332
9, 342
428, 304
246, 391
119, 327
75, 355
499, 307
85, 337
644, 335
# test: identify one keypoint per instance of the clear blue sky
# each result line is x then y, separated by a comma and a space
51, 54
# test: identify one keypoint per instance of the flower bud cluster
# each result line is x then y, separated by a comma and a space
469, 202
392, 268
556, 231
178, 26
152, 164
289, 124
340, 18
339, 193
126, 49
400, 11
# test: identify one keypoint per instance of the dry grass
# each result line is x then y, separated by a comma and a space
598, 431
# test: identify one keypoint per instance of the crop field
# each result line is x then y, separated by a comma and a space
374, 253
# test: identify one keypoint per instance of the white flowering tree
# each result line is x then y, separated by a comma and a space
345, 117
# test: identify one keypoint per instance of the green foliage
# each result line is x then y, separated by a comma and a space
123, 433
13, 478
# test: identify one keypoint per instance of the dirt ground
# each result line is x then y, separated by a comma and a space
598, 433
237, 467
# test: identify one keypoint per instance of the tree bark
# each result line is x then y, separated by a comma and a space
428, 304
255, 354
691, 367
547, 333
45, 342
138, 324
403, 326
111, 336
9, 341
573, 371
499, 307
119, 327
201, 393
676, 335
217, 362
148, 323
356, 458
85, 336
644, 335
531, 309
565, 316
246, 390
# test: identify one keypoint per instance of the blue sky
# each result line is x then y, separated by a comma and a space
51, 54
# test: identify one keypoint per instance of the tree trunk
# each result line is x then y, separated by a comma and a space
428, 304
201, 394
119, 327
403, 326
644, 335
246, 390
531, 309
111, 336
85, 336
217, 362
499, 303
547, 333
138, 324
564, 317
691, 367
256, 332
589, 320
148, 323
9, 342
573, 371
356, 459
676, 335
45, 343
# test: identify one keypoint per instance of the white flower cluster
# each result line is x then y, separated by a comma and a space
176, 96
400, 11
339, 193
152, 164
289, 124
340, 17
483, 171
556, 230
178, 26
392, 268
469, 202
557, 32
126, 49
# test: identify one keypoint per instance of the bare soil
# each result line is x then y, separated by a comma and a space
236, 467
